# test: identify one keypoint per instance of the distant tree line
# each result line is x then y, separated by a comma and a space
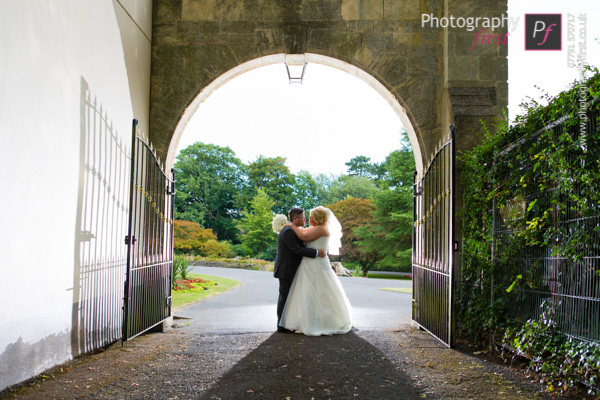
234, 203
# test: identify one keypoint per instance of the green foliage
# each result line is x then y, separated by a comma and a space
255, 224
190, 237
391, 231
241, 250
561, 169
558, 360
181, 267
359, 187
269, 253
214, 248
399, 166
324, 185
275, 179
353, 214
307, 193
209, 179
362, 166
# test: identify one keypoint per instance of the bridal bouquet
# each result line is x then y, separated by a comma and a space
278, 221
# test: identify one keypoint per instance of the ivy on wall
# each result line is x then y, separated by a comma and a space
521, 183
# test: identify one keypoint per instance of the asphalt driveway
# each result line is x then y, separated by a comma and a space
251, 308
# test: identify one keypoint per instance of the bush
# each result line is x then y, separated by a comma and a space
181, 267
241, 250
214, 248
191, 238
269, 254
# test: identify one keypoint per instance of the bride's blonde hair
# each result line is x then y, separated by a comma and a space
319, 215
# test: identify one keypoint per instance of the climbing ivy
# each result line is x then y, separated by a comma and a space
563, 169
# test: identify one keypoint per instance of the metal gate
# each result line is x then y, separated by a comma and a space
433, 249
147, 300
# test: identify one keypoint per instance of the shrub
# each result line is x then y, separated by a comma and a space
191, 238
241, 250
181, 267
214, 248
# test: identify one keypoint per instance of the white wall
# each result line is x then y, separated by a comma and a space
50, 50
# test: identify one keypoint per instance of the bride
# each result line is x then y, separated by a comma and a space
317, 304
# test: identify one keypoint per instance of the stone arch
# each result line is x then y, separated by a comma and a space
308, 58
432, 73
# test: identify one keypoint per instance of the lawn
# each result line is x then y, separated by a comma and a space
383, 275
184, 298
395, 289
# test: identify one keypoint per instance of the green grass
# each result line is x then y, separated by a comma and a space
396, 289
388, 276
182, 299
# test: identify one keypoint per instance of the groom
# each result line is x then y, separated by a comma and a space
290, 251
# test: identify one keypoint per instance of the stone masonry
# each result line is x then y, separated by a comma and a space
429, 70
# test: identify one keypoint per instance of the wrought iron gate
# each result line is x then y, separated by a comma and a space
147, 300
433, 249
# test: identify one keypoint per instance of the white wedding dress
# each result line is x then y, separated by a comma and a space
317, 304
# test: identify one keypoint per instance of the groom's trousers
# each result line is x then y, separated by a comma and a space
284, 290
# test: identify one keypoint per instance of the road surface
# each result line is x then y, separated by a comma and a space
252, 307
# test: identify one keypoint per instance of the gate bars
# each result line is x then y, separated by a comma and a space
147, 300
433, 252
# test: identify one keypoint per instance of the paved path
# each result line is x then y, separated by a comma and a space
252, 307
229, 350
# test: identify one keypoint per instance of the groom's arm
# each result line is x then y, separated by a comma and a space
291, 241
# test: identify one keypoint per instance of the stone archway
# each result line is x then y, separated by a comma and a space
281, 58
428, 73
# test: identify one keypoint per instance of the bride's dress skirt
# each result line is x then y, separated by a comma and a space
317, 304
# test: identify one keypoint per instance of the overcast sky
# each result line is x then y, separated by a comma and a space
321, 124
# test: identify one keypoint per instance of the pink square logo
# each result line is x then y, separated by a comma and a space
543, 32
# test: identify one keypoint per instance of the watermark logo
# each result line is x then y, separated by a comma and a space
485, 27
543, 32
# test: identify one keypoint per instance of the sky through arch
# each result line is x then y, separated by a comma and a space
317, 126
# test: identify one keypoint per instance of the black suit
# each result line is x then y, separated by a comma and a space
290, 251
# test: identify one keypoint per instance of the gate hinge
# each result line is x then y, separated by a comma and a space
171, 188
132, 241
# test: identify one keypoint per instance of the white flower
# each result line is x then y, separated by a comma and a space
278, 221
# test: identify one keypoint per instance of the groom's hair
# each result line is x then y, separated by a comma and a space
294, 212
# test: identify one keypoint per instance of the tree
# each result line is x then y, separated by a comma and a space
390, 234
306, 191
275, 178
359, 187
362, 166
208, 180
355, 213
324, 184
399, 166
391, 231
255, 224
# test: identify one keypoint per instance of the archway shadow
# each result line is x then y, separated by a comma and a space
325, 367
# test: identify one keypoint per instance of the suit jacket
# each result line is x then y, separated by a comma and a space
290, 251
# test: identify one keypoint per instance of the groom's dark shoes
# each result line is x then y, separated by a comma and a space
283, 330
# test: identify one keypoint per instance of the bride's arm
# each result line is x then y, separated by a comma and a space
311, 233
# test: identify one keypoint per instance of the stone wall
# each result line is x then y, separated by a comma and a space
196, 41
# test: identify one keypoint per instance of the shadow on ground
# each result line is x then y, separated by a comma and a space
265, 365
297, 366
